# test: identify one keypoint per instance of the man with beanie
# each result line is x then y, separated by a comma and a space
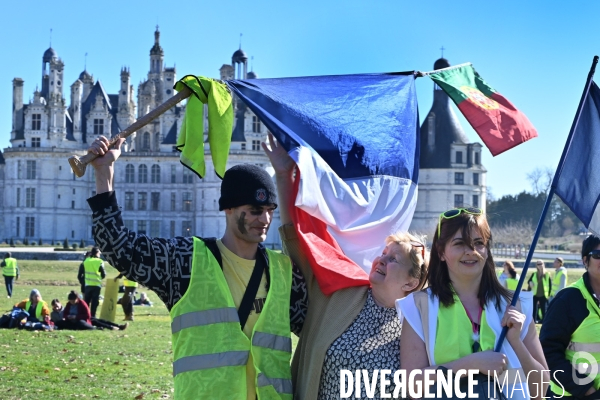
232, 301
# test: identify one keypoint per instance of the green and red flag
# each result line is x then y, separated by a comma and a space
495, 119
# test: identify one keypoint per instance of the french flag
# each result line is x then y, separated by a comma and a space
355, 140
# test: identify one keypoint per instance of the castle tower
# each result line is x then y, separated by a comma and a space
88, 84
17, 121
156, 54
48, 56
239, 60
451, 174
75, 109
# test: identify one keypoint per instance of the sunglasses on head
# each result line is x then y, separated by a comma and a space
455, 212
595, 254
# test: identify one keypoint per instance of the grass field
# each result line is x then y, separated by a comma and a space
88, 364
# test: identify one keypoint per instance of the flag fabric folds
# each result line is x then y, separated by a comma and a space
220, 122
579, 181
495, 119
355, 139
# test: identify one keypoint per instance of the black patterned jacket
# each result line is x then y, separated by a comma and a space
163, 265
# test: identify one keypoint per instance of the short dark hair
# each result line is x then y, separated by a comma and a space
73, 295
589, 244
7, 255
438, 276
95, 251
55, 302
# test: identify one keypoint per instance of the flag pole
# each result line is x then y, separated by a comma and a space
550, 195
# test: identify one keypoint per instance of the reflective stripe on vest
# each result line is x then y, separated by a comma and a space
207, 361
557, 279
128, 283
545, 281
210, 350
11, 267
280, 385
91, 266
584, 339
38, 308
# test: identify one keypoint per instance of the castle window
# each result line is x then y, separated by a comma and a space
155, 228
129, 173
155, 174
18, 226
187, 201
459, 155
30, 197
173, 203
29, 226
475, 200
35, 142
244, 146
146, 141
143, 174
459, 178
477, 160
186, 228
255, 124
128, 201
475, 179
173, 173
98, 127
128, 224
36, 122
459, 200
141, 228
18, 197
188, 177
155, 201
142, 200
256, 145
172, 229
31, 170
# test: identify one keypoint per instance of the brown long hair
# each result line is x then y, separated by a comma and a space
438, 277
511, 269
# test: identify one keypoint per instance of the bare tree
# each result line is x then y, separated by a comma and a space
540, 179
514, 233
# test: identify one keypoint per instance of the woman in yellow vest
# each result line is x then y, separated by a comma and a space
512, 277
454, 324
354, 328
541, 285
570, 335
39, 312
10, 271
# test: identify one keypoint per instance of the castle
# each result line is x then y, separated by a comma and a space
41, 198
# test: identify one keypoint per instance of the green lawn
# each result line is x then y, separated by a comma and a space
83, 364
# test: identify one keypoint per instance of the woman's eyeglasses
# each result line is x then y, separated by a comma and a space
595, 254
455, 212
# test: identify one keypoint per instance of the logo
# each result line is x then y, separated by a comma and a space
479, 99
261, 195
584, 364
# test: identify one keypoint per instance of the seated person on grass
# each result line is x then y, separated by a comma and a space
39, 312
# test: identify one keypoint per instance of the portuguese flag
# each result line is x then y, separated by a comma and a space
495, 119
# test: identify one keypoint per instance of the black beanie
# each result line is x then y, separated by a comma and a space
246, 184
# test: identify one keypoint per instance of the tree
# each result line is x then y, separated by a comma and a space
66, 243
40, 241
26, 242
540, 179
82, 244
12, 242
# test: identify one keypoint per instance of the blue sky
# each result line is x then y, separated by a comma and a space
536, 53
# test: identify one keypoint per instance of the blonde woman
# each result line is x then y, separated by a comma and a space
354, 328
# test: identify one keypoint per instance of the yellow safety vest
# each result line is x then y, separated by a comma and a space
128, 283
511, 283
210, 350
557, 279
545, 281
11, 267
584, 339
38, 308
91, 266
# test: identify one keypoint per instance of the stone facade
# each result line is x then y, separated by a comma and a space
42, 199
